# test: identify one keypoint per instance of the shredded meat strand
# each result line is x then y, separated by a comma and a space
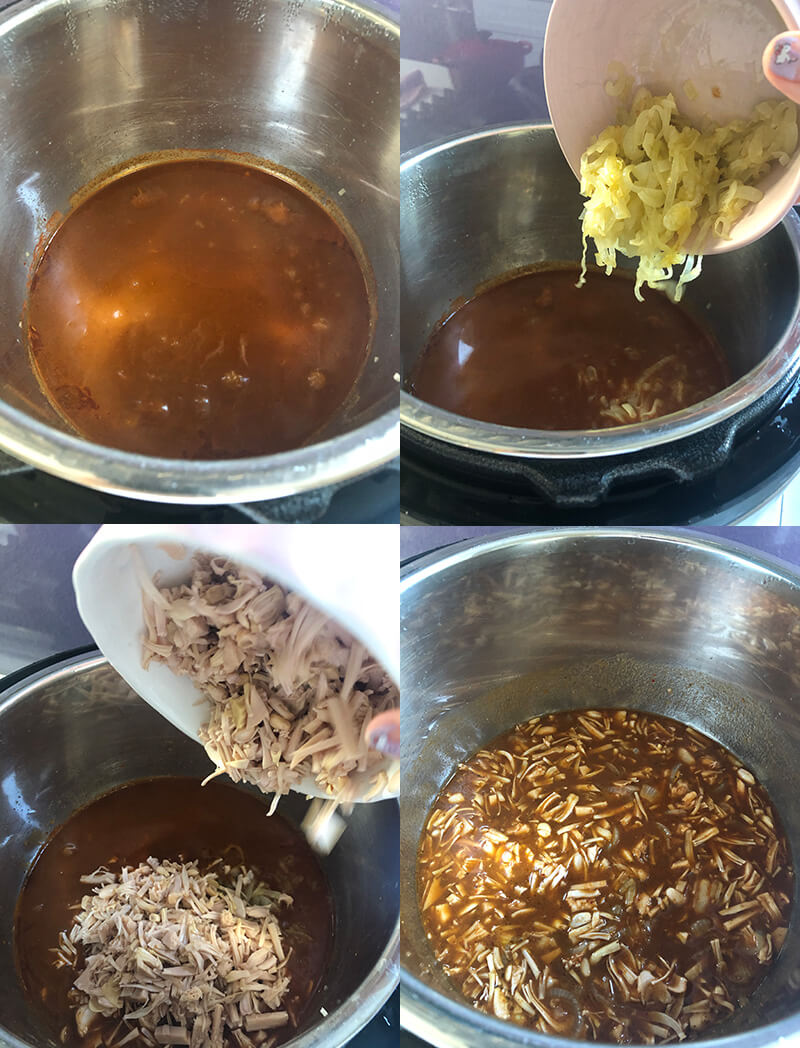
179, 956
291, 692
607, 874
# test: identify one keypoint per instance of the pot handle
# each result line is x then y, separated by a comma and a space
591, 483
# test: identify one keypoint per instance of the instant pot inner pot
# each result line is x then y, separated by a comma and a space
89, 84
80, 731
502, 201
506, 631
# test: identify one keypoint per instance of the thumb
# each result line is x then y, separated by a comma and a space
383, 733
781, 64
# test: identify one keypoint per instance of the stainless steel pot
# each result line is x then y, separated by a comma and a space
76, 730
87, 84
476, 207
495, 632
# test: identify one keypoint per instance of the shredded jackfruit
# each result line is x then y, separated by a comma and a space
653, 183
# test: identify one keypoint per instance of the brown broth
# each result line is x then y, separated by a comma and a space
605, 830
169, 818
537, 352
198, 309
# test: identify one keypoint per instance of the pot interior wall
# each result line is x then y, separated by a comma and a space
535, 624
89, 84
501, 201
70, 739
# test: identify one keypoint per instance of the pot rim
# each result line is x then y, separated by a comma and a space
437, 560
197, 481
783, 360
341, 1024
423, 1008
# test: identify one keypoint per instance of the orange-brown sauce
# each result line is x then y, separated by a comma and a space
582, 849
169, 818
537, 352
198, 309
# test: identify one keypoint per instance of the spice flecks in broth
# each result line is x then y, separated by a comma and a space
175, 819
536, 352
605, 874
198, 309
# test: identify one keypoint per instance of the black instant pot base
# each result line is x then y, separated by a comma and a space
761, 463
29, 496
408, 1040
382, 1031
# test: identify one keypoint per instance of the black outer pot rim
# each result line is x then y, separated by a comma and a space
584, 484
11, 680
423, 1008
435, 423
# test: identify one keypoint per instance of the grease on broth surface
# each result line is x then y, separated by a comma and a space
198, 309
169, 818
536, 352
605, 874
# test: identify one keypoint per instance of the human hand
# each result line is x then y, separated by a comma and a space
781, 63
383, 733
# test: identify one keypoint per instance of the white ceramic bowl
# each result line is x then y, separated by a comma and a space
716, 45
347, 571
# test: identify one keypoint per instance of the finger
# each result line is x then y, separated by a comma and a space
781, 64
383, 733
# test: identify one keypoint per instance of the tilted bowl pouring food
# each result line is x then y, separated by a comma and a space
708, 55
74, 730
502, 199
349, 575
